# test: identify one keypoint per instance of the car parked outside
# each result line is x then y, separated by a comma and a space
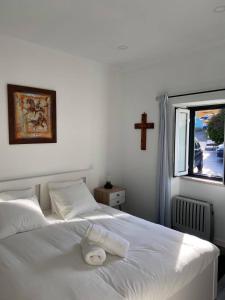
219, 151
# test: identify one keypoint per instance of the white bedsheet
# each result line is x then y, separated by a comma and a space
46, 264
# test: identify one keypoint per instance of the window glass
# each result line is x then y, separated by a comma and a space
208, 142
182, 142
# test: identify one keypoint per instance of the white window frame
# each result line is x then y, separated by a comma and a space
177, 172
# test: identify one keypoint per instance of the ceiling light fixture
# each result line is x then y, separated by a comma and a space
219, 9
122, 47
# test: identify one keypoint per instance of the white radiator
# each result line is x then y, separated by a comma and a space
193, 217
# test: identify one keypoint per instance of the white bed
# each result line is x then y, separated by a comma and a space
46, 264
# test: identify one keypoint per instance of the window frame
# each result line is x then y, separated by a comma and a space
186, 111
193, 110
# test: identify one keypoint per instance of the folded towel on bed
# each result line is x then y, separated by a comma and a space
92, 254
109, 241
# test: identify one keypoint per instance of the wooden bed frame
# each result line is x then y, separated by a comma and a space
202, 287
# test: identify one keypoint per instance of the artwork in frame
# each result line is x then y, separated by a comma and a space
31, 115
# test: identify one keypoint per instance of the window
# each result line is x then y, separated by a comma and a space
182, 141
199, 142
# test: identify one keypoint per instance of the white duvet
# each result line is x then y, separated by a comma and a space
46, 264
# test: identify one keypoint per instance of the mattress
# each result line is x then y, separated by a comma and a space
46, 264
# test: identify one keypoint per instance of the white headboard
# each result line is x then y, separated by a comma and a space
40, 183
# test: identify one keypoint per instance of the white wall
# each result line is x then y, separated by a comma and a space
199, 71
214, 194
82, 88
96, 112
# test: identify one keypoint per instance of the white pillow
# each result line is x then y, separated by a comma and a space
20, 215
58, 185
17, 194
73, 200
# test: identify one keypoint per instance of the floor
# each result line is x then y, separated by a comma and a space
221, 266
221, 276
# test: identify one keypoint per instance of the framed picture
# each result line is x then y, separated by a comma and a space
32, 115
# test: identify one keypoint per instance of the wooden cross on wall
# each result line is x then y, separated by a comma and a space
143, 126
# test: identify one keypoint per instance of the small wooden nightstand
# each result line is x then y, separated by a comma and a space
112, 197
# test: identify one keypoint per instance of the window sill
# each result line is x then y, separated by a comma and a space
201, 180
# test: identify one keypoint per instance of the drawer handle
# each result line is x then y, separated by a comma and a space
117, 195
117, 201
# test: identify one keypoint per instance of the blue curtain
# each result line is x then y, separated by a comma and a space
163, 166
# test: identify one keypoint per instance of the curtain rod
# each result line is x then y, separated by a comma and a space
196, 93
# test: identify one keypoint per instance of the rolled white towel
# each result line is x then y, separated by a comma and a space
109, 241
92, 254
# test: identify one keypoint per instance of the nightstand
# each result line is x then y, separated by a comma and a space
112, 197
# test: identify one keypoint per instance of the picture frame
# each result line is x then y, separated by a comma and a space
31, 115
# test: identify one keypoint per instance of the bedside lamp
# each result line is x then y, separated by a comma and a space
108, 184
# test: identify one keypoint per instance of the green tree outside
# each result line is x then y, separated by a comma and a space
216, 127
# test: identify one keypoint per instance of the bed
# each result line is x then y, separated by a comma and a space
46, 263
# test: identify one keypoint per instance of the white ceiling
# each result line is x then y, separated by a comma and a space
152, 29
